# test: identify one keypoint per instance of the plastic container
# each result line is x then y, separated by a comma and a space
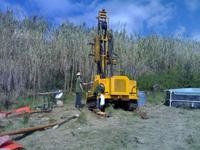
142, 99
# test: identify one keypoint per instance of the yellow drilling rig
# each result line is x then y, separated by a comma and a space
117, 89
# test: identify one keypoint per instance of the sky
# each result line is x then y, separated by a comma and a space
178, 18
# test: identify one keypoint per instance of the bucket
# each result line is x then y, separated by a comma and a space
142, 98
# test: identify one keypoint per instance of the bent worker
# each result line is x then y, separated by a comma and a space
101, 102
99, 92
79, 90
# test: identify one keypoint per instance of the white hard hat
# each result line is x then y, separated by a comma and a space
78, 74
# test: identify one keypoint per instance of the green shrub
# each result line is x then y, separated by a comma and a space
176, 78
155, 97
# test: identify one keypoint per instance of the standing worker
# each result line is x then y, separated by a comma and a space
79, 90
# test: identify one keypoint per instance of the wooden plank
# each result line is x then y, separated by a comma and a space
40, 127
100, 113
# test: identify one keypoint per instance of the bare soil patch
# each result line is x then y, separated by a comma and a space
166, 128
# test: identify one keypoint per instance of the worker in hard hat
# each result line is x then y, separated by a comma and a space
79, 90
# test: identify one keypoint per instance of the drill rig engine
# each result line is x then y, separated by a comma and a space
116, 89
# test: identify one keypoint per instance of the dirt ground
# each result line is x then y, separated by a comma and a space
167, 128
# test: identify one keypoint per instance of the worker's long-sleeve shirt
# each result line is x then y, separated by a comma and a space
79, 88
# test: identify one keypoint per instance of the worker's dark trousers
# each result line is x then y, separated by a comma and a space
78, 100
98, 103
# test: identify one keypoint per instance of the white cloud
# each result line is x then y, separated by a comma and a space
134, 15
19, 12
65, 10
159, 14
192, 5
153, 14
129, 14
196, 36
51, 7
180, 32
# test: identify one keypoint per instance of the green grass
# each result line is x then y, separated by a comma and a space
155, 98
68, 98
25, 119
24, 102
82, 119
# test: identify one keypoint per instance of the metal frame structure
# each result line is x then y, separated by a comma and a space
195, 92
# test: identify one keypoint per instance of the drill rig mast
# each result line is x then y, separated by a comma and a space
103, 48
116, 88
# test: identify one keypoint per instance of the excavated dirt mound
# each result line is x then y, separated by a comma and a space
165, 128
